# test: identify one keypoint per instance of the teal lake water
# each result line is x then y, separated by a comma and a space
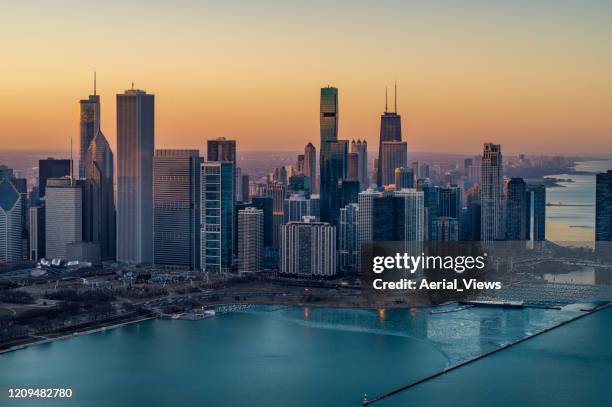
574, 223
326, 357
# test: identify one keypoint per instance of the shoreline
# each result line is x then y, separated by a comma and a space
76, 333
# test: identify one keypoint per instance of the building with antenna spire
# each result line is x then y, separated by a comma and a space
89, 125
390, 130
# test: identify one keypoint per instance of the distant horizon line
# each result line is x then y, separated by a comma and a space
474, 153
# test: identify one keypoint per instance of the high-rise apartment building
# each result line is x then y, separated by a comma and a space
135, 149
308, 248
250, 240
176, 208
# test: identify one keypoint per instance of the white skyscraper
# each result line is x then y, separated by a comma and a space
491, 190
135, 148
10, 223
250, 239
413, 216
63, 216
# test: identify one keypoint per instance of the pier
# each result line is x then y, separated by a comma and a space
400, 389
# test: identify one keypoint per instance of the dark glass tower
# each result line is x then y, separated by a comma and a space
390, 130
334, 156
51, 168
517, 210
603, 207
176, 211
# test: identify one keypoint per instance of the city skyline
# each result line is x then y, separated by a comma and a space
521, 84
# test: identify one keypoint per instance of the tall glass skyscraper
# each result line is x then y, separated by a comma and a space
135, 148
11, 223
216, 216
96, 167
329, 115
390, 130
334, 160
310, 167
603, 207
89, 125
517, 210
491, 190
334, 156
176, 210
51, 168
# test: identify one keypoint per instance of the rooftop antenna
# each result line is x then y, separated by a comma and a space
395, 97
386, 109
132, 85
94, 83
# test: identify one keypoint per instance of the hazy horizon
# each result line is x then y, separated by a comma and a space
534, 77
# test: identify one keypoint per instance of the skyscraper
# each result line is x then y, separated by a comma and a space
176, 208
410, 215
99, 196
603, 207
51, 168
404, 178
89, 125
491, 190
353, 166
250, 240
11, 223
63, 220
297, 206
329, 115
310, 167
517, 210
135, 148
308, 248
361, 149
390, 130
394, 154
221, 149
348, 247
334, 157
217, 216
536, 197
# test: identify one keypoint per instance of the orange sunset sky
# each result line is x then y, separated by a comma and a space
533, 76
